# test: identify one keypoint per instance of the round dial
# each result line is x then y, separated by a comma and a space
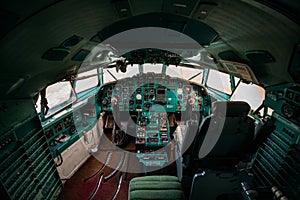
104, 101
147, 106
138, 96
192, 100
179, 91
287, 110
114, 101
187, 90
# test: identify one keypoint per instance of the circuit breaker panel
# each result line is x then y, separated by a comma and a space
278, 161
27, 170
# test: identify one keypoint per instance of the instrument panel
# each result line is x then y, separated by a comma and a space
146, 91
153, 99
285, 100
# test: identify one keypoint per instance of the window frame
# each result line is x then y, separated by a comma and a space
58, 107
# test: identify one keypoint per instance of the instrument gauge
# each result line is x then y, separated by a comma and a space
138, 96
125, 90
200, 100
114, 101
117, 89
147, 106
179, 91
192, 100
287, 110
104, 101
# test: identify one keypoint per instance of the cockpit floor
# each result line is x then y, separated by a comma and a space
75, 187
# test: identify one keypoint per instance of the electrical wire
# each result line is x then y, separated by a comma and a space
118, 187
120, 165
108, 157
97, 186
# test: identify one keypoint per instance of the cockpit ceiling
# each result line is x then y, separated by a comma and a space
187, 26
30, 28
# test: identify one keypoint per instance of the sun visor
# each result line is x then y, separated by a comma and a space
239, 70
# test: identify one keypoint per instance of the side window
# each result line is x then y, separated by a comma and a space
250, 93
59, 95
88, 81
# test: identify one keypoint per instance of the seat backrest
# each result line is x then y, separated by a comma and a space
215, 185
223, 137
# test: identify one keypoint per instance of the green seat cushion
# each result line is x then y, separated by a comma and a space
155, 187
155, 178
156, 195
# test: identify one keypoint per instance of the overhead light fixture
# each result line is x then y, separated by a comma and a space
179, 5
203, 12
210, 57
18, 84
99, 55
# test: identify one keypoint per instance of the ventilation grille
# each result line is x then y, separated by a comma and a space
56, 54
260, 56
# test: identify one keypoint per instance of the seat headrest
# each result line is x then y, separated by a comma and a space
230, 108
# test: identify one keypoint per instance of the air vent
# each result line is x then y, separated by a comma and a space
81, 55
259, 56
56, 54
229, 55
70, 42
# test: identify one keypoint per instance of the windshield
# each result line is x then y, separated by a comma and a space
86, 83
193, 74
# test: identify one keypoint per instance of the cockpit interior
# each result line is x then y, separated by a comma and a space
140, 100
